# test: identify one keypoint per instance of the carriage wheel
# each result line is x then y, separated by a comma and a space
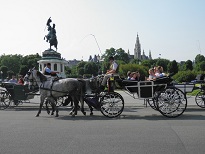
200, 99
112, 104
171, 102
4, 99
60, 101
152, 103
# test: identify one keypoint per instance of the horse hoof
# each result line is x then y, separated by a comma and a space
84, 113
37, 115
57, 115
91, 114
48, 112
52, 113
73, 115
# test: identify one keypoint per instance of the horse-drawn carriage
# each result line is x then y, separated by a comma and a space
14, 94
161, 94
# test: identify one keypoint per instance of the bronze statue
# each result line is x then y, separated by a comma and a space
51, 36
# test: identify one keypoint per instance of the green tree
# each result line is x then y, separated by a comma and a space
188, 65
91, 68
199, 58
163, 63
202, 66
13, 62
80, 68
172, 67
31, 60
23, 70
4, 69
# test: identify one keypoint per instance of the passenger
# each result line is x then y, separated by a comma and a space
21, 80
136, 76
48, 71
129, 75
13, 79
159, 72
152, 76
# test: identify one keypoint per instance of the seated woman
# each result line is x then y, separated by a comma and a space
135, 76
129, 75
152, 76
159, 72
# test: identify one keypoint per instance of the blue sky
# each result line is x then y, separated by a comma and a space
172, 28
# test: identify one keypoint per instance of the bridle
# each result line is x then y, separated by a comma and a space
32, 81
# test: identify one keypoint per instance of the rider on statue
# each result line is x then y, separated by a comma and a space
51, 36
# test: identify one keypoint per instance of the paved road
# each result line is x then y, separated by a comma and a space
139, 129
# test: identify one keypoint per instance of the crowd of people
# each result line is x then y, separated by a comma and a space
14, 80
154, 73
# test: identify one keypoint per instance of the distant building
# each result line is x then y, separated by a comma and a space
137, 51
94, 59
73, 62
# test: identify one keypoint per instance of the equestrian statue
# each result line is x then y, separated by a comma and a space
51, 36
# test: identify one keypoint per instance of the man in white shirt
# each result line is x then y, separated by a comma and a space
110, 72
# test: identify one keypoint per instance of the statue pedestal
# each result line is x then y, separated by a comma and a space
54, 58
50, 53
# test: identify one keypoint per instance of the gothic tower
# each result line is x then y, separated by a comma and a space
150, 56
137, 49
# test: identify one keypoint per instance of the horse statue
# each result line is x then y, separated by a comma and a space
51, 90
51, 36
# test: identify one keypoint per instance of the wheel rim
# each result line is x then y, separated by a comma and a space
172, 102
200, 99
112, 105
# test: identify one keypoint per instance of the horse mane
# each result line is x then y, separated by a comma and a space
41, 76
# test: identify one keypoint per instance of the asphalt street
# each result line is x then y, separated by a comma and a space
139, 129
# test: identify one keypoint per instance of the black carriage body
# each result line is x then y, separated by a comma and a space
146, 89
17, 91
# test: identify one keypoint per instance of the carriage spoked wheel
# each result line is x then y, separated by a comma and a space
171, 102
4, 99
112, 104
200, 99
60, 101
152, 101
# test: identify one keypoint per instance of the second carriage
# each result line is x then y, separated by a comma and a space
162, 95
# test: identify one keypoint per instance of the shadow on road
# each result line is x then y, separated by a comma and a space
131, 113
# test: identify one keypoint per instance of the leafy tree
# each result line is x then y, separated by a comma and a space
4, 69
188, 65
118, 54
23, 70
90, 68
135, 61
202, 66
13, 62
122, 55
133, 68
31, 60
172, 67
163, 63
148, 63
80, 67
199, 58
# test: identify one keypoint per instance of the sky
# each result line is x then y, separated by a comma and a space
170, 29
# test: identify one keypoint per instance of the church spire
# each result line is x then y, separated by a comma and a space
137, 49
